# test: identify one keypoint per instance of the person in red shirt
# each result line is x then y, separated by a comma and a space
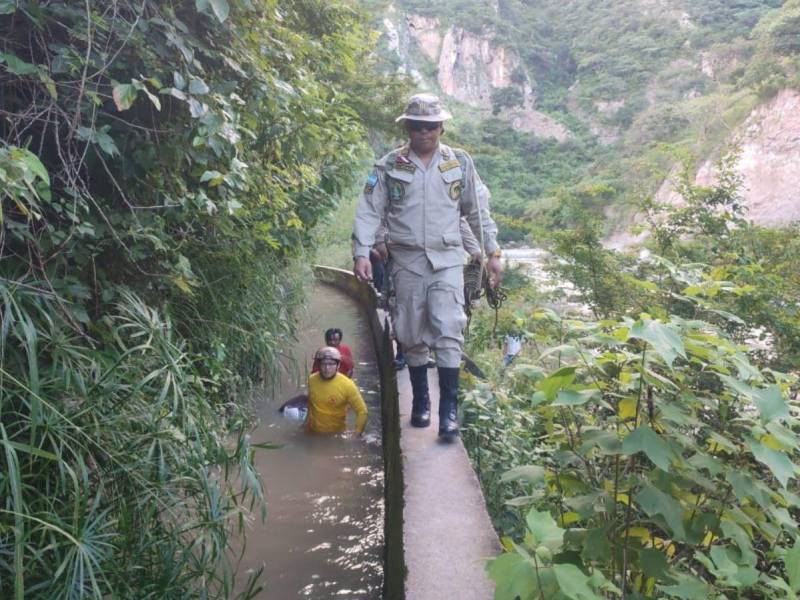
333, 338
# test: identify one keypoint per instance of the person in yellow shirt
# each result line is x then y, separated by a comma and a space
329, 395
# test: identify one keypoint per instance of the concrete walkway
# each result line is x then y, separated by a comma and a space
446, 531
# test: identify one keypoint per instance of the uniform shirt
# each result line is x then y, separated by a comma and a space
422, 208
468, 240
328, 400
346, 365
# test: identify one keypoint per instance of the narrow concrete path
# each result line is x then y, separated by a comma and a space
446, 531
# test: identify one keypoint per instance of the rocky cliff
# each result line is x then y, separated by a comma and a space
469, 68
768, 146
768, 162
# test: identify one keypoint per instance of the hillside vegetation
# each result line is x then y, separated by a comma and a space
632, 80
162, 166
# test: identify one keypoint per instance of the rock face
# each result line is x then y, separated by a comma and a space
470, 67
426, 32
768, 162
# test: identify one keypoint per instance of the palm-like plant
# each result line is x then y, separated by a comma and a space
120, 473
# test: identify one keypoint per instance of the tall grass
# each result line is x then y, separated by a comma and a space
120, 477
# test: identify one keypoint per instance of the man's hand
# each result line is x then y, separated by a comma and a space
495, 268
362, 269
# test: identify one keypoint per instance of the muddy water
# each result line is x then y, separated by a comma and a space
323, 536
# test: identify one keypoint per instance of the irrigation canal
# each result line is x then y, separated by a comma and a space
323, 536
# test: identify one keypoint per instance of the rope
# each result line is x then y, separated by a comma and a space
476, 284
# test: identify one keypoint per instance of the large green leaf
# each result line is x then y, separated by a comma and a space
596, 545
663, 338
688, 588
35, 165
769, 400
607, 441
654, 564
745, 488
16, 65
575, 398
725, 568
124, 95
527, 473
220, 8
780, 584
557, 381
198, 87
644, 439
777, 462
573, 583
514, 577
106, 142
739, 535
771, 404
544, 529
655, 502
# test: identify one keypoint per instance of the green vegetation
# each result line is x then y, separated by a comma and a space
646, 445
163, 166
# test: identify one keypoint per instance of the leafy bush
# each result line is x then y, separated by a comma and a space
163, 165
653, 455
662, 459
507, 97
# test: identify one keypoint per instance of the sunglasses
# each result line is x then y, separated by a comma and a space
422, 126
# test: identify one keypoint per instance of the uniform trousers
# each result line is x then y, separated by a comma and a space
428, 313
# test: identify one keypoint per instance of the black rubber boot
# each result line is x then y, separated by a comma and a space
448, 402
421, 403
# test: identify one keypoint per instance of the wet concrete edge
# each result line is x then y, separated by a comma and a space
394, 559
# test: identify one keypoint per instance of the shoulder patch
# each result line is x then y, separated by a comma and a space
450, 164
372, 180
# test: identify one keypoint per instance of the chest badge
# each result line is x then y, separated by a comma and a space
396, 191
455, 190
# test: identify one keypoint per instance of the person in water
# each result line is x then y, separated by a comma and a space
330, 394
333, 338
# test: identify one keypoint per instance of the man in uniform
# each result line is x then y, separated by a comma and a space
420, 193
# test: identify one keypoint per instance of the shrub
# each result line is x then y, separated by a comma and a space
663, 464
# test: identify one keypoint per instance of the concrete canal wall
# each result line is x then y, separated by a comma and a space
437, 531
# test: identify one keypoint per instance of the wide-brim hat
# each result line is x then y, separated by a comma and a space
425, 107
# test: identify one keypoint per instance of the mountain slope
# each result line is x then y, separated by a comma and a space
563, 95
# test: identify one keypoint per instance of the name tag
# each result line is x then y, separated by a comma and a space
450, 164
